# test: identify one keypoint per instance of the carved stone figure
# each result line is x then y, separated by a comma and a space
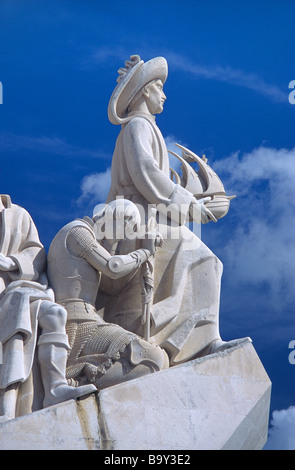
26, 304
187, 275
102, 353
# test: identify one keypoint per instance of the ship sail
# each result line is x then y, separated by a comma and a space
202, 183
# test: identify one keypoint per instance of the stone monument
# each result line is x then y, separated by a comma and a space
133, 294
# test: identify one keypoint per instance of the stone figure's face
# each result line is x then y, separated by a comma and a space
155, 97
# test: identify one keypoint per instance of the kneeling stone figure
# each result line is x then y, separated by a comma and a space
101, 353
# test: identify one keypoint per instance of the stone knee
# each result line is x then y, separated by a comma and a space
151, 355
52, 317
52, 321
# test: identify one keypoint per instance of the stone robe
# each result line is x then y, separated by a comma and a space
187, 275
21, 292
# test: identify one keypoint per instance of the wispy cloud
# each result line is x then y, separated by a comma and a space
227, 74
105, 53
52, 145
221, 73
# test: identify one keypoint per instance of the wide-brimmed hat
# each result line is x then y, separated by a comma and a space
131, 80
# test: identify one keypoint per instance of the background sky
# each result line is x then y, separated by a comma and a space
230, 64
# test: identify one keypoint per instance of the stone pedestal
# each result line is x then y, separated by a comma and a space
217, 402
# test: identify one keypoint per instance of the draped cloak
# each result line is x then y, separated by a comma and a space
21, 292
187, 275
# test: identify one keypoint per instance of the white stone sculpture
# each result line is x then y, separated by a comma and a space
102, 353
114, 287
26, 304
186, 274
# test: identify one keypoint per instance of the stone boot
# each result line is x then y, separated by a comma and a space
52, 359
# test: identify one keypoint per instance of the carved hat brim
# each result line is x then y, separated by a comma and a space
136, 78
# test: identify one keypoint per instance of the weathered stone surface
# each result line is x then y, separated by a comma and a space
217, 402
67, 426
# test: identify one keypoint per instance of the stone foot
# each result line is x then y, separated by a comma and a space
63, 393
219, 346
5, 418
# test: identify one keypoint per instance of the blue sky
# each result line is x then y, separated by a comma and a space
230, 64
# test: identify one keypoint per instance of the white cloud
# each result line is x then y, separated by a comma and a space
261, 247
281, 432
96, 186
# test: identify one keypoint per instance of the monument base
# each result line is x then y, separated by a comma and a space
216, 402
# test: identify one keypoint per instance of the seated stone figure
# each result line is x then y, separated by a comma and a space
26, 306
102, 353
187, 274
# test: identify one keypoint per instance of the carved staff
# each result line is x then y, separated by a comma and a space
148, 280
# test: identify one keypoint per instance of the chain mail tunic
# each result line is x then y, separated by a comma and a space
95, 346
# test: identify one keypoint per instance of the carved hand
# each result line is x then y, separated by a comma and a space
6, 263
197, 206
152, 240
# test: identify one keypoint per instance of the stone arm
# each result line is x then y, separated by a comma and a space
151, 181
7, 264
25, 258
81, 243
